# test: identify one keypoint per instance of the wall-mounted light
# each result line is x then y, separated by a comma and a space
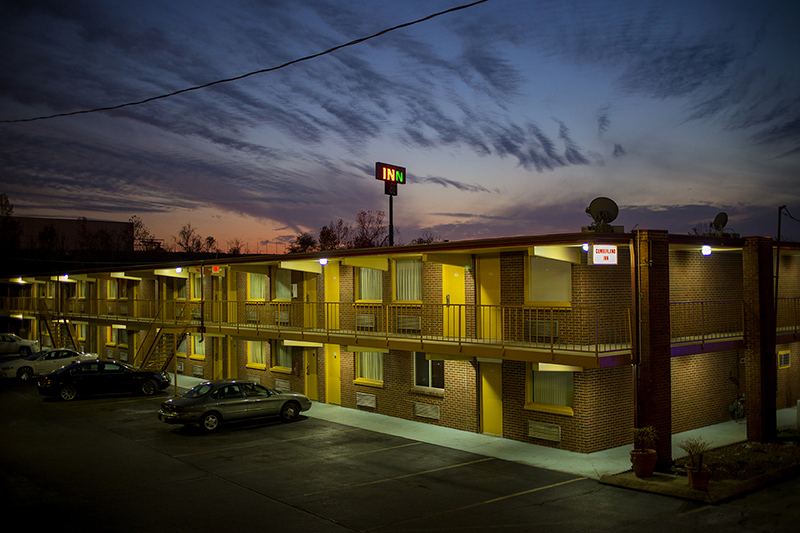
179, 270
323, 261
586, 247
706, 250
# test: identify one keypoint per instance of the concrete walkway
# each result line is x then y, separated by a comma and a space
591, 465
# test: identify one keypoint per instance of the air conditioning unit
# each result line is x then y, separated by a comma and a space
282, 317
365, 321
426, 410
252, 316
544, 431
409, 324
541, 330
366, 400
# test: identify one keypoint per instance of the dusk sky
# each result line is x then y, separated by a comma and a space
510, 116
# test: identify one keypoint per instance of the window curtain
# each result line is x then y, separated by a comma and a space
550, 280
283, 355
256, 352
370, 365
408, 280
554, 388
258, 287
199, 348
283, 284
370, 284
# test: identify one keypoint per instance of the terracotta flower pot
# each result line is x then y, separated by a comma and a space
644, 462
698, 479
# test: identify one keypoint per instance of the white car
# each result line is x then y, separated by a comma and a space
10, 343
42, 363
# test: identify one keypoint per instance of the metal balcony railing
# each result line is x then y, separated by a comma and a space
578, 329
699, 322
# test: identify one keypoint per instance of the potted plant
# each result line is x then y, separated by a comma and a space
696, 471
643, 455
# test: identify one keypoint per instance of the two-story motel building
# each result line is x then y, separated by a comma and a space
559, 340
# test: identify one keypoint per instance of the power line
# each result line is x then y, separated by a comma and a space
261, 71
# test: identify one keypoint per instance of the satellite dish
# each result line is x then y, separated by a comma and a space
719, 222
603, 211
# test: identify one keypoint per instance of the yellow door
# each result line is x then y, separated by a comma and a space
312, 390
332, 295
489, 314
333, 385
453, 296
310, 308
492, 398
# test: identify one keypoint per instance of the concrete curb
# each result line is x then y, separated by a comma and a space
718, 492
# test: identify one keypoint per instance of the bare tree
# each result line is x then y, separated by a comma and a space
427, 236
143, 239
304, 242
370, 229
10, 230
210, 244
188, 239
235, 246
335, 235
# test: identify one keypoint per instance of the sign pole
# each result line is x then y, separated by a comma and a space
391, 176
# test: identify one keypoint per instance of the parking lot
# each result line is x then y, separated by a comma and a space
108, 464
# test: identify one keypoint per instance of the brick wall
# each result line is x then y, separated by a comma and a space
703, 388
457, 403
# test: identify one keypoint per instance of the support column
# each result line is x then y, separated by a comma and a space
654, 374
761, 378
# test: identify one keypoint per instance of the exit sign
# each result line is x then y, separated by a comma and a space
390, 173
605, 254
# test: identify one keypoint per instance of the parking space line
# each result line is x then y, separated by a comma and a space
524, 492
366, 452
261, 443
404, 476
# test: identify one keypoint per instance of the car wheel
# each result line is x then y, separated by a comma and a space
148, 387
24, 351
210, 422
290, 411
25, 373
68, 392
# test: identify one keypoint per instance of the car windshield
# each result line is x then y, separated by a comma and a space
199, 390
35, 356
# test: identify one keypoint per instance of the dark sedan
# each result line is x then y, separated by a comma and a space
100, 377
213, 402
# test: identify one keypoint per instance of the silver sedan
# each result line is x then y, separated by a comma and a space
42, 363
212, 403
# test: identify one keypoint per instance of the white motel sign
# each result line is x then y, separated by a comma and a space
605, 254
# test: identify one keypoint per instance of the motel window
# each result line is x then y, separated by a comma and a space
122, 288
112, 289
549, 281
198, 347
408, 280
784, 358
122, 337
180, 289
257, 287
257, 353
83, 289
369, 368
197, 286
550, 391
111, 336
80, 330
283, 284
182, 347
429, 374
281, 356
370, 284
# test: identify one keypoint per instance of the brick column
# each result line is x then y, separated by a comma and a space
654, 395
761, 378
